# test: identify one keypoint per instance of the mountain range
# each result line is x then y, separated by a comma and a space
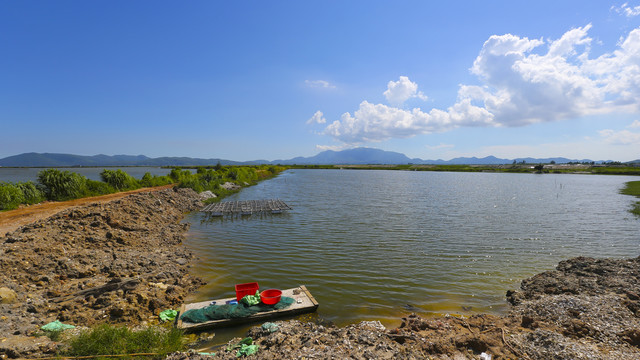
355, 156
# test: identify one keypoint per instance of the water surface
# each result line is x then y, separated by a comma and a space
378, 244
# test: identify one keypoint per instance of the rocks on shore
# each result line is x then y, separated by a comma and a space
121, 262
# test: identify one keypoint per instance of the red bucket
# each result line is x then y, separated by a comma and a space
271, 296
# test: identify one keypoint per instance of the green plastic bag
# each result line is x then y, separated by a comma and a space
168, 315
270, 327
251, 300
56, 326
245, 347
246, 350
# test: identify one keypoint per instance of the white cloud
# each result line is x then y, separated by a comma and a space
627, 10
635, 124
623, 137
378, 122
333, 147
319, 84
402, 90
317, 118
523, 82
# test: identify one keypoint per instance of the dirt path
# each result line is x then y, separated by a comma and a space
13, 219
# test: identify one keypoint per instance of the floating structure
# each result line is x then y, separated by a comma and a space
247, 207
304, 302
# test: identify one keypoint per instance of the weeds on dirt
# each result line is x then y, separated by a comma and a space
112, 340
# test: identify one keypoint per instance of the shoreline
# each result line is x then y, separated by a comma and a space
122, 262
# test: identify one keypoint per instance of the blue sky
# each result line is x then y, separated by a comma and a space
246, 80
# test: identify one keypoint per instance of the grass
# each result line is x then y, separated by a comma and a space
633, 188
112, 340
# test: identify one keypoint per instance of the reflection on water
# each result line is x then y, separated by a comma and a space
377, 244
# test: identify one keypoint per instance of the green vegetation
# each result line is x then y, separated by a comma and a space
119, 180
633, 188
57, 185
111, 340
213, 178
521, 167
62, 185
12, 195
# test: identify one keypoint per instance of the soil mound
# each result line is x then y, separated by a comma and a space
119, 262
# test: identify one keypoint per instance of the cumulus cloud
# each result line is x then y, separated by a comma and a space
402, 90
319, 84
332, 147
635, 124
317, 118
522, 81
624, 137
627, 10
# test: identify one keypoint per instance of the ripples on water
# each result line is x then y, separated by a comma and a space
378, 244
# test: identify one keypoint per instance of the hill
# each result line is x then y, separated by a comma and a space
68, 160
357, 156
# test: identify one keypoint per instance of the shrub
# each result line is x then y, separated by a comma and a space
149, 180
32, 195
119, 179
10, 196
62, 185
95, 188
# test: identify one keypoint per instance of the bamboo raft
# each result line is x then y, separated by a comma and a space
248, 207
304, 303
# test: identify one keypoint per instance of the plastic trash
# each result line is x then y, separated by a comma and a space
245, 347
246, 350
485, 356
270, 327
56, 326
168, 315
251, 300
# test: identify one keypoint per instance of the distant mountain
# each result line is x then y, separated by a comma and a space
377, 156
329, 157
350, 156
68, 160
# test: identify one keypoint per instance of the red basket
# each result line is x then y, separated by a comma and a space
271, 296
243, 290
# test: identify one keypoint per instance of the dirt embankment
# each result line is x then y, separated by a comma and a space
120, 262
11, 220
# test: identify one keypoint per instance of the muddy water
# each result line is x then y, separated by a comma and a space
378, 244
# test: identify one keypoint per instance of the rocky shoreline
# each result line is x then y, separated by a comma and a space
123, 262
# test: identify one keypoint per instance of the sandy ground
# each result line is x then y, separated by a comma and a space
13, 219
